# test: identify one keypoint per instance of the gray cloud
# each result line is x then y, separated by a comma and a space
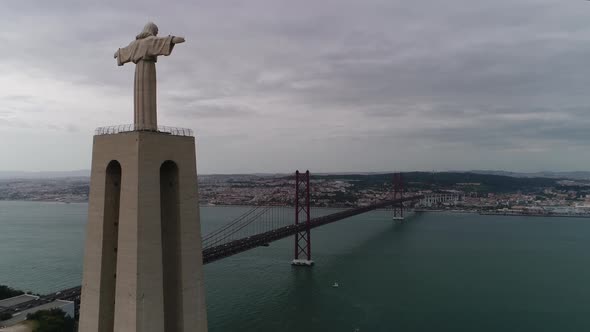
199, 110
274, 85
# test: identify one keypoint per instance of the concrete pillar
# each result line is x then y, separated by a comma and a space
158, 284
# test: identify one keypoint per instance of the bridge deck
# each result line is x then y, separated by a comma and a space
235, 247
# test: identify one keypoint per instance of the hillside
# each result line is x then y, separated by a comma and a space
467, 181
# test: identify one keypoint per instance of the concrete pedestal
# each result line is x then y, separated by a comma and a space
302, 262
143, 258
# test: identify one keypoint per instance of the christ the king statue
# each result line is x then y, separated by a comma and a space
144, 52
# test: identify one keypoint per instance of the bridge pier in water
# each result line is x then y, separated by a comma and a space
302, 216
398, 195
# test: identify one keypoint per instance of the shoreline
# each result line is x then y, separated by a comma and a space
42, 201
533, 215
200, 205
500, 214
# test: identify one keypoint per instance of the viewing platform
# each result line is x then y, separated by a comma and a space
125, 128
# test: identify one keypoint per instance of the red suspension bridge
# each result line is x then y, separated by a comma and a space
264, 224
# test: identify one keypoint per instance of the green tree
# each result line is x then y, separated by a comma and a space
5, 316
53, 320
7, 292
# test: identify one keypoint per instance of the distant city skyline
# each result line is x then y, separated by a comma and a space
579, 175
331, 86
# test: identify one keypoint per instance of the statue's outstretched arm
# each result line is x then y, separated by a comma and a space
177, 40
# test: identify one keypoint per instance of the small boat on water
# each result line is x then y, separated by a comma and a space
335, 285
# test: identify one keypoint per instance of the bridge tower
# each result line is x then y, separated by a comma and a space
302, 216
398, 194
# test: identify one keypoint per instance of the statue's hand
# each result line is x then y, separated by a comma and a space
116, 54
177, 40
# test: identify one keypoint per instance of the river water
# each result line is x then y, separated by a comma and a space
436, 272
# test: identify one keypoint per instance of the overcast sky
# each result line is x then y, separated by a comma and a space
272, 86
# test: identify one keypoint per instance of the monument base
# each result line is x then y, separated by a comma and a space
143, 256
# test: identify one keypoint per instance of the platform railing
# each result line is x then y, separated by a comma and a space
111, 130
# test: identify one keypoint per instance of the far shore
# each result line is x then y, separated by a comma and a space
501, 214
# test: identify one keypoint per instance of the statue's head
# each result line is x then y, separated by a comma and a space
150, 29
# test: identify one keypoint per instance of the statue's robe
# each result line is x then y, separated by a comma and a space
144, 53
